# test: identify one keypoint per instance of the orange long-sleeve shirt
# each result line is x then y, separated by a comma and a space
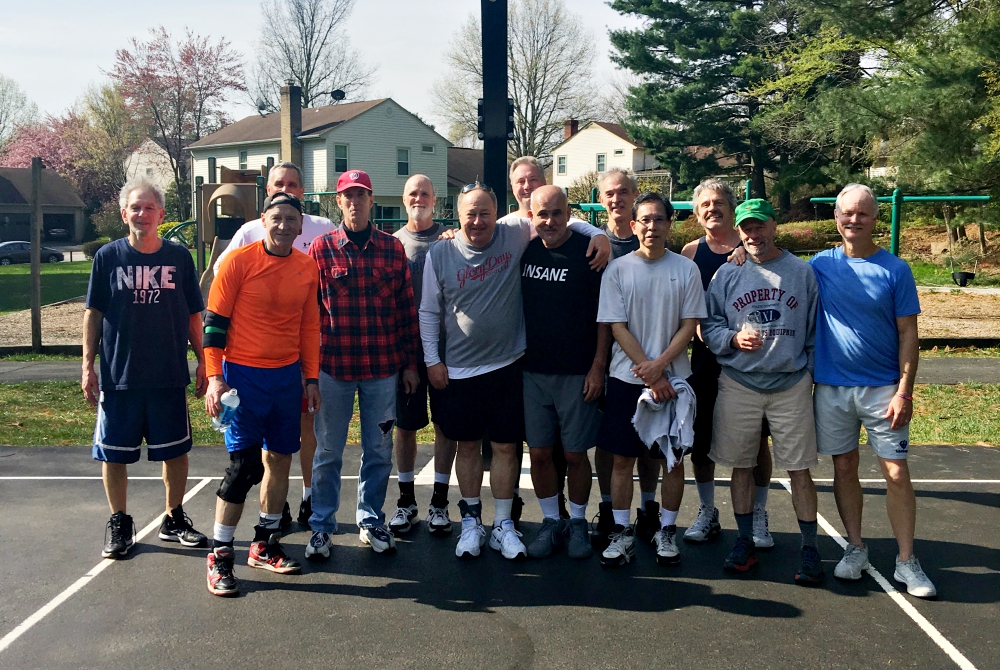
271, 302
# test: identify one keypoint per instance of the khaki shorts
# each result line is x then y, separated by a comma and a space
738, 415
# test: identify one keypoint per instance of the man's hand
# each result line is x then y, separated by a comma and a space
90, 384
437, 375
411, 380
900, 411
313, 398
739, 256
448, 234
200, 380
600, 249
648, 371
216, 387
747, 340
593, 384
662, 390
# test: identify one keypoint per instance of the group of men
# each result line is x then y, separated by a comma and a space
514, 330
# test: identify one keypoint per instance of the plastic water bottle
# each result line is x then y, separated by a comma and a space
229, 401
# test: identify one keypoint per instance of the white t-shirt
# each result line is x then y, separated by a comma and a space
253, 231
651, 297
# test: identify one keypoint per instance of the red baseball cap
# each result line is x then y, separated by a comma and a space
354, 178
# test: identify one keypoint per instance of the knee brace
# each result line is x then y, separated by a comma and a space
246, 469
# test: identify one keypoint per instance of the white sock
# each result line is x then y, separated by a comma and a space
667, 518
406, 477
622, 517
501, 510
441, 477
307, 492
706, 493
605, 497
577, 511
760, 497
269, 521
473, 501
646, 496
550, 507
223, 533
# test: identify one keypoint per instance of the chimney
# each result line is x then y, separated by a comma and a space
570, 126
291, 122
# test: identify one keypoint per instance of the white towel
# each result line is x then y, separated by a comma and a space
669, 424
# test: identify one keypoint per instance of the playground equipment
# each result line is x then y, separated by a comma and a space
593, 207
963, 278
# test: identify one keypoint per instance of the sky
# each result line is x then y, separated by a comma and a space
55, 49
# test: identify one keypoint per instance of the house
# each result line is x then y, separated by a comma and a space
377, 136
465, 166
597, 146
151, 159
62, 209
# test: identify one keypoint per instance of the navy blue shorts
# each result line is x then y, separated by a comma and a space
125, 418
270, 411
617, 434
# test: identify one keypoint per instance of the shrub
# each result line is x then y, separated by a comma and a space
801, 239
91, 248
164, 228
108, 221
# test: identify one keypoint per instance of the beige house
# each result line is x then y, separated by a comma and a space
596, 147
151, 160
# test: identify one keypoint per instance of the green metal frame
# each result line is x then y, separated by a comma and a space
180, 232
593, 207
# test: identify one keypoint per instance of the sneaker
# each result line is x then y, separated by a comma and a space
853, 564
438, 521
811, 571
621, 547
578, 545
647, 522
119, 536
516, 507
270, 556
910, 573
602, 526
305, 511
286, 518
176, 527
551, 537
472, 539
507, 540
220, 580
705, 527
401, 520
666, 546
742, 557
319, 547
761, 535
378, 538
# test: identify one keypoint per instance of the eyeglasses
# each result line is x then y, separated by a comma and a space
476, 186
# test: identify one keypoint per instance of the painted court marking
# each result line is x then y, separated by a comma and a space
897, 597
49, 607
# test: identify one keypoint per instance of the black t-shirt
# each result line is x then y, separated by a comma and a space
560, 294
703, 361
361, 237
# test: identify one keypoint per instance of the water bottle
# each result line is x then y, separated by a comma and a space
229, 401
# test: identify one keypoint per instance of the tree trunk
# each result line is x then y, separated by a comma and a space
982, 239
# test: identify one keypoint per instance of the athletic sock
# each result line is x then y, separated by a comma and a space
645, 497
622, 516
808, 530
605, 497
501, 510
577, 511
269, 521
745, 523
406, 493
307, 492
706, 493
473, 501
668, 518
441, 478
760, 497
223, 535
440, 496
550, 507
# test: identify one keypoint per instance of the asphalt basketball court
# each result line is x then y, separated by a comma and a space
64, 607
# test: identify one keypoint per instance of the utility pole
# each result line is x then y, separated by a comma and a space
494, 22
36, 254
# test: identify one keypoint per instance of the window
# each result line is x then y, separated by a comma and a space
619, 152
340, 158
602, 160
243, 160
403, 162
386, 212
560, 165
427, 148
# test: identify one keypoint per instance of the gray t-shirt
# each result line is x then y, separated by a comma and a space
416, 246
651, 297
778, 298
620, 245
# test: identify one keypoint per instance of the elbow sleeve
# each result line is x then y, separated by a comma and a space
216, 327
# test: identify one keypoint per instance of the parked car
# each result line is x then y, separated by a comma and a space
20, 252
57, 233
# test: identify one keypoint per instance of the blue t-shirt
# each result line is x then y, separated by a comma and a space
857, 340
147, 301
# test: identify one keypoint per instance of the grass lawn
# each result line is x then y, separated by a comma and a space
927, 274
60, 281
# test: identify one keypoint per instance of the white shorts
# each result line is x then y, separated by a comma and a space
842, 410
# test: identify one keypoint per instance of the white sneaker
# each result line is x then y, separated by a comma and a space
402, 520
438, 521
473, 538
705, 526
853, 564
507, 541
666, 546
319, 547
378, 538
621, 549
761, 535
910, 573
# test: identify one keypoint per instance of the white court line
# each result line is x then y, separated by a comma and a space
56, 478
897, 597
47, 609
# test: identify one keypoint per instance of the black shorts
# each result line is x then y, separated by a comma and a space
617, 434
411, 408
488, 403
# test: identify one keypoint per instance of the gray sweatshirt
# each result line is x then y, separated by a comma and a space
778, 298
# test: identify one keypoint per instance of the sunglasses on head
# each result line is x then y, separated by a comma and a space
476, 186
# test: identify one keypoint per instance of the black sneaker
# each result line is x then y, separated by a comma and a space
286, 518
119, 536
220, 579
742, 557
811, 571
602, 526
176, 527
516, 507
305, 511
647, 522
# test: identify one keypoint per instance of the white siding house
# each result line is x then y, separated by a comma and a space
596, 147
149, 159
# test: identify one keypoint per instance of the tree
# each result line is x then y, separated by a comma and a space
178, 89
16, 110
549, 61
45, 140
310, 49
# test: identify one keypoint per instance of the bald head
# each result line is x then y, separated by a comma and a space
550, 215
419, 199
548, 196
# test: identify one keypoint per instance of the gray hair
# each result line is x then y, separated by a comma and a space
286, 165
718, 186
140, 183
856, 187
626, 175
525, 160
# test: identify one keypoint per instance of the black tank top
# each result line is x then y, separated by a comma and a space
703, 363
708, 261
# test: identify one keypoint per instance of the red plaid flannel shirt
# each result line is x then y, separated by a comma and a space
368, 322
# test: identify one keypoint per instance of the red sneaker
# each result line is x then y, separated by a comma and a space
270, 556
221, 581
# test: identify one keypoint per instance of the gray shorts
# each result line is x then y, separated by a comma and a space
554, 407
842, 410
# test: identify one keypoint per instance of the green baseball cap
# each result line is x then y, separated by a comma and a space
755, 208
